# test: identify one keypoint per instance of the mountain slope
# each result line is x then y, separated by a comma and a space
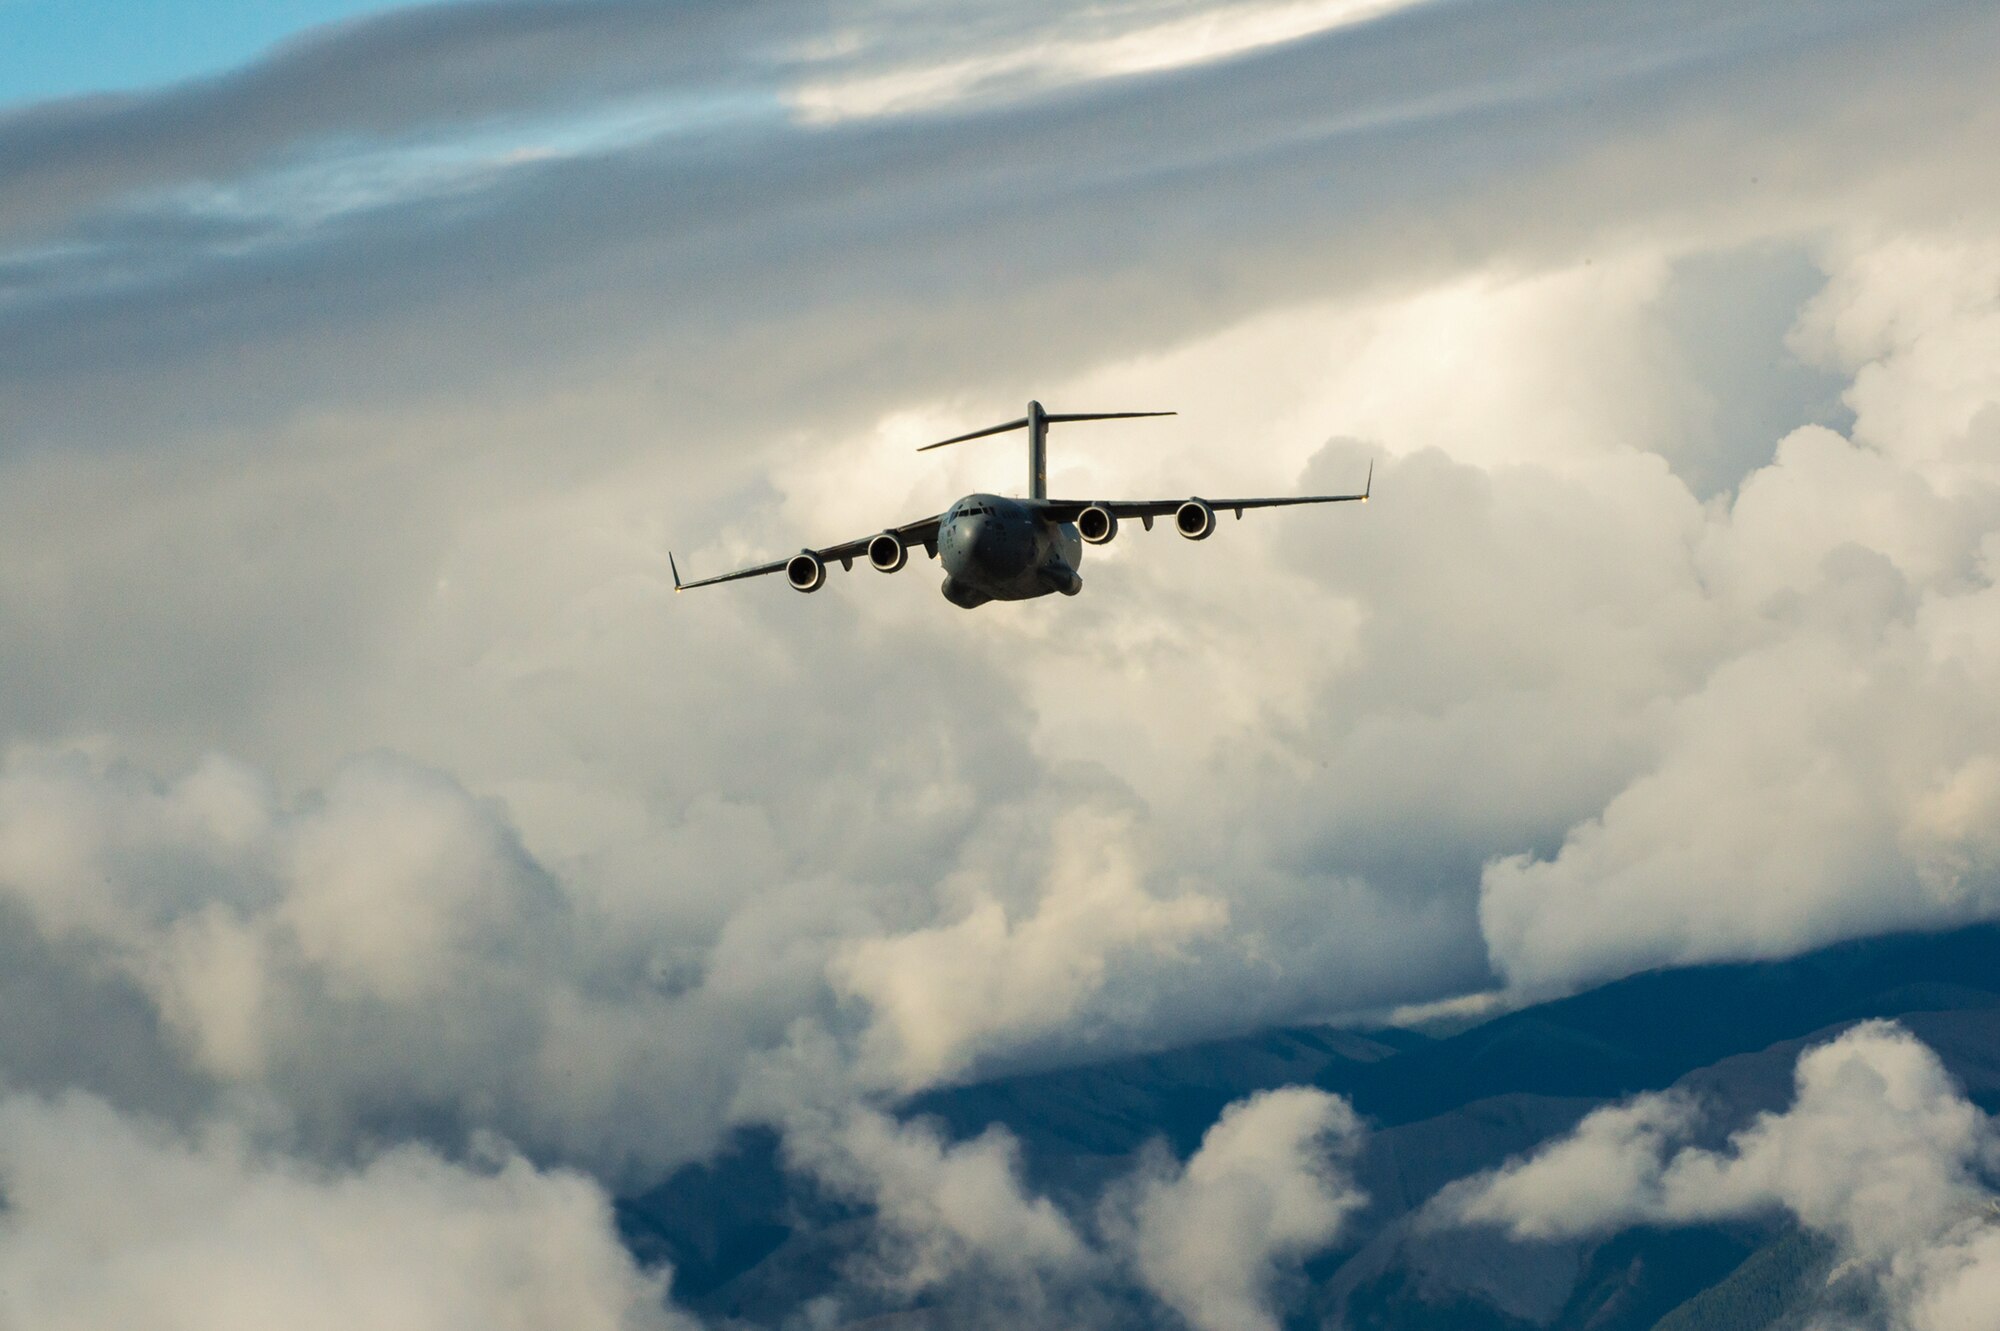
750, 1241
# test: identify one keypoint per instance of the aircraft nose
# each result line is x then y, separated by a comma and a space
987, 538
998, 548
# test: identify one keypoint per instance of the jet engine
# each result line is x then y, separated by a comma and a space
887, 552
1097, 525
806, 571
1195, 520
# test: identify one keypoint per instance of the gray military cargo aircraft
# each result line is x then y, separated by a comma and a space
1000, 549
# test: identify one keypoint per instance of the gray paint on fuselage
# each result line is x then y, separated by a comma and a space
999, 549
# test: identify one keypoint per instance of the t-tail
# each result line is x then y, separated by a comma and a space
1037, 423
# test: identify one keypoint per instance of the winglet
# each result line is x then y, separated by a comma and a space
676, 570
1368, 484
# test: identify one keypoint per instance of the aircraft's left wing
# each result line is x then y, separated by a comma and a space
923, 532
1066, 510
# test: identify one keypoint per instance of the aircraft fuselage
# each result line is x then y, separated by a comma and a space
998, 549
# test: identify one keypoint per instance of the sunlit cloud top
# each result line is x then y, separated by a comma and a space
1096, 42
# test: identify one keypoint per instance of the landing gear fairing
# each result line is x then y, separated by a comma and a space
995, 548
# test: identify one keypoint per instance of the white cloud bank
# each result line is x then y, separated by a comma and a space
110, 1221
938, 997
381, 952
1832, 773
1879, 1151
384, 955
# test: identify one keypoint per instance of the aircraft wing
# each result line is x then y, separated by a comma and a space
923, 532
1066, 510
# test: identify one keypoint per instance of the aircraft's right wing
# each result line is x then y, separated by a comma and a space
923, 532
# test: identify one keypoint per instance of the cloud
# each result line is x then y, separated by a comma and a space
1603, 1176
943, 1214
1816, 784
658, 253
941, 996
1107, 42
953, 1221
1267, 1187
116, 1221
382, 76
950, 1204
1879, 1150
382, 958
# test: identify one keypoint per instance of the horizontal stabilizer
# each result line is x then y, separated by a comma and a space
977, 434
1051, 417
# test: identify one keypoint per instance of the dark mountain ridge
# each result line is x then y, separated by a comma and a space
750, 1241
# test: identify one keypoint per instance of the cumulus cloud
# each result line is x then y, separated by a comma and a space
941, 996
1816, 783
112, 1221
946, 1206
384, 955
1600, 1177
1879, 1151
381, 956
944, 1214
1268, 1186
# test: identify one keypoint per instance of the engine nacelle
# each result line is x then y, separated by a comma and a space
1097, 525
887, 552
806, 571
1195, 520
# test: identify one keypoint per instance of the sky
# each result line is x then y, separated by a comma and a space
383, 843
71, 48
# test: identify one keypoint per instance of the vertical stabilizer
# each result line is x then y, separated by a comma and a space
1038, 452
